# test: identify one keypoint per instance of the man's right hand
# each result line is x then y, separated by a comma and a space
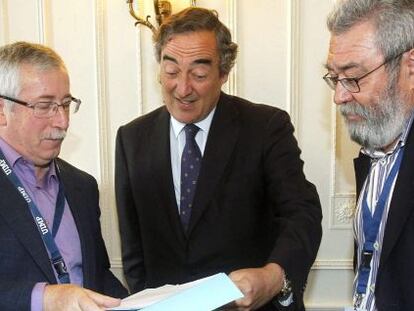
68, 297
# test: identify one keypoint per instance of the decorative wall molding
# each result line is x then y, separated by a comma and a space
294, 61
334, 264
140, 89
106, 200
41, 21
231, 86
342, 205
4, 23
139, 46
333, 132
116, 263
342, 212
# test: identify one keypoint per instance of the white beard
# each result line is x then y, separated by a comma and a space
381, 123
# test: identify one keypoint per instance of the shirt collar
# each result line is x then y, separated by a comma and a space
14, 159
204, 124
401, 142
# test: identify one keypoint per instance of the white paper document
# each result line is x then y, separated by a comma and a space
202, 295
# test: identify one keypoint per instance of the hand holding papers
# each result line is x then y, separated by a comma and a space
202, 295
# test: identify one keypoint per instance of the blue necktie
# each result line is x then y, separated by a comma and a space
190, 167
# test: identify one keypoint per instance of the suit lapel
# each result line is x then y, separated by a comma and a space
223, 135
16, 213
160, 159
402, 201
361, 168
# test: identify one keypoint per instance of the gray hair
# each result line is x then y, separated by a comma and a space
198, 19
12, 56
393, 21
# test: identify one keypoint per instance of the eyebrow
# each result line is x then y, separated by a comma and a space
51, 97
204, 61
167, 57
344, 67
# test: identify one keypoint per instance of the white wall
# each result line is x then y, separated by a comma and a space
283, 45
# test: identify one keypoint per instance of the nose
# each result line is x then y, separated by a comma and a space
342, 95
183, 87
61, 118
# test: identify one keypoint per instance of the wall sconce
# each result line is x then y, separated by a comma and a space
162, 10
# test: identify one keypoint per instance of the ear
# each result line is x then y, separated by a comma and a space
409, 65
410, 55
3, 119
223, 78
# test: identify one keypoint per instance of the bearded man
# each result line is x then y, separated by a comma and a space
371, 69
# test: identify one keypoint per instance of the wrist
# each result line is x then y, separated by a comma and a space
274, 274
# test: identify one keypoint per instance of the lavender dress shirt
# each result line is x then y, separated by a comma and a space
44, 194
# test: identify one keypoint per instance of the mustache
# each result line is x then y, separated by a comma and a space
54, 135
355, 108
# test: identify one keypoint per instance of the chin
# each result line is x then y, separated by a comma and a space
51, 156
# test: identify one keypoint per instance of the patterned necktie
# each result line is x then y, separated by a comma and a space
190, 167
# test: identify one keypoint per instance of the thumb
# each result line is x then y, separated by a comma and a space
103, 300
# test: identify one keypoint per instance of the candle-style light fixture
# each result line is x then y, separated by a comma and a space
162, 10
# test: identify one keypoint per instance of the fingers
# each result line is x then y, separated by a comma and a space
259, 285
241, 280
87, 304
70, 297
103, 300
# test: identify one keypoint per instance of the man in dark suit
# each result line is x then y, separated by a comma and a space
213, 183
52, 254
371, 55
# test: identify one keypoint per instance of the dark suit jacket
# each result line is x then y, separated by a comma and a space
252, 204
23, 257
394, 287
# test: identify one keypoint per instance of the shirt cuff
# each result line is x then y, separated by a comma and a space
37, 297
287, 301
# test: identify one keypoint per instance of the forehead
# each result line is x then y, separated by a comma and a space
354, 48
38, 81
31, 73
191, 45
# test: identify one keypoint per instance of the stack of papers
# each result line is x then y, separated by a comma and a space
202, 295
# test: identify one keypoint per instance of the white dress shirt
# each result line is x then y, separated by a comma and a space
177, 142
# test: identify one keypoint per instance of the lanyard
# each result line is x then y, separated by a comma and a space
57, 260
371, 225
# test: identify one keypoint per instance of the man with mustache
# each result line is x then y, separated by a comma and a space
213, 183
371, 69
52, 254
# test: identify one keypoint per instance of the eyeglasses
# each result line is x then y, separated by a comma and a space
48, 109
351, 84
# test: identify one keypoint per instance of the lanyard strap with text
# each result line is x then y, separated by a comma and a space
371, 224
57, 260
